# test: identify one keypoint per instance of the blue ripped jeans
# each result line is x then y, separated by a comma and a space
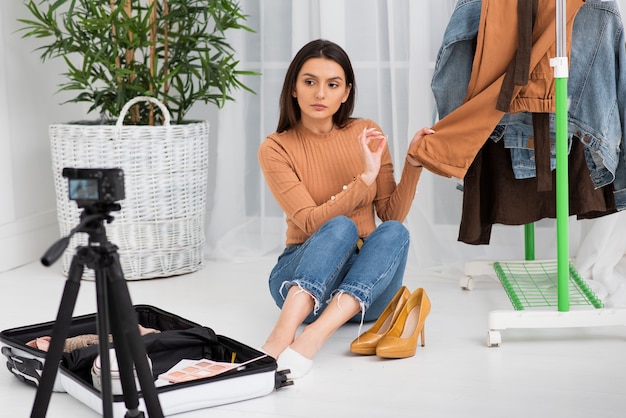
330, 262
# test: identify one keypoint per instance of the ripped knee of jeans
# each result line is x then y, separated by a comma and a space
288, 284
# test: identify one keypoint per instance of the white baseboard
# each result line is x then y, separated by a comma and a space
26, 239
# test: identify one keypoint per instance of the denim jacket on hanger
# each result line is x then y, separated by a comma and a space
596, 90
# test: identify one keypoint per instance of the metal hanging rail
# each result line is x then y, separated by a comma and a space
531, 284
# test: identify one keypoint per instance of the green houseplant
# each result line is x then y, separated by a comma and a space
168, 54
173, 50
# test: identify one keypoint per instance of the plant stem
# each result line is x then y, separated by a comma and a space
166, 48
118, 63
130, 58
153, 56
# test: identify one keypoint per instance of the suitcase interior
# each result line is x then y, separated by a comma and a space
149, 317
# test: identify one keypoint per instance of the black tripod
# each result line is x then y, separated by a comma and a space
114, 309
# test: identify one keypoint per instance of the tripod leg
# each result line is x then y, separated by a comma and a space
102, 324
124, 360
126, 366
60, 332
129, 344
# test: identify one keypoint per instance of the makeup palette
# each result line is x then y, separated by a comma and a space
186, 370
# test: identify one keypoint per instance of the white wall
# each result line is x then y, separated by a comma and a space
28, 104
6, 168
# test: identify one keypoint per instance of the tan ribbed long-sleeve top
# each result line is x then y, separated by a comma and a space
315, 178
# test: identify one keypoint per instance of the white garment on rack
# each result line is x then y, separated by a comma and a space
602, 258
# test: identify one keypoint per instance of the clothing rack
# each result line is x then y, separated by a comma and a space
532, 285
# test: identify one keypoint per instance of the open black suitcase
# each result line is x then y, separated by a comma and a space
185, 340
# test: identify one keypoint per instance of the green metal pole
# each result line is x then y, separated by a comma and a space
562, 195
561, 73
529, 241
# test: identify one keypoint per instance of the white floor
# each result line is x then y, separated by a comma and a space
574, 372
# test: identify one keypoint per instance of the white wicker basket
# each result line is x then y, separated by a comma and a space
160, 229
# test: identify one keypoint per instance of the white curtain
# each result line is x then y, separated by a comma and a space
393, 45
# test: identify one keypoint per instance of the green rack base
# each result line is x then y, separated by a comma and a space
532, 284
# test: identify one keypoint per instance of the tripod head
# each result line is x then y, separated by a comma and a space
92, 221
97, 191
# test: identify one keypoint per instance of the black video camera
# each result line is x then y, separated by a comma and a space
89, 186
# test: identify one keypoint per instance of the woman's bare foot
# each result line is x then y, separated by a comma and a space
275, 346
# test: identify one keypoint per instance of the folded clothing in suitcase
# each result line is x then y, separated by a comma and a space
178, 339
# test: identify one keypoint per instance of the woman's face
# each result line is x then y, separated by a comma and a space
320, 89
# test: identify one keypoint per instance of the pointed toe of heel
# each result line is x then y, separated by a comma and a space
365, 344
396, 347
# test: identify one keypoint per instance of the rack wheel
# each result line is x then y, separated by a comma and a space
493, 338
466, 283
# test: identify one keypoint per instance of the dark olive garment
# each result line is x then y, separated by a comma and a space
492, 195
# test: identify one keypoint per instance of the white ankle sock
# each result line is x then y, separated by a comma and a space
298, 365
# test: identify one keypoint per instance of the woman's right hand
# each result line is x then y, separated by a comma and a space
372, 146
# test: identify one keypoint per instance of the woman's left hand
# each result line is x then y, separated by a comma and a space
416, 138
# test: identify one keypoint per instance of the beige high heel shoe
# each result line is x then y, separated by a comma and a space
366, 342
401, 340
